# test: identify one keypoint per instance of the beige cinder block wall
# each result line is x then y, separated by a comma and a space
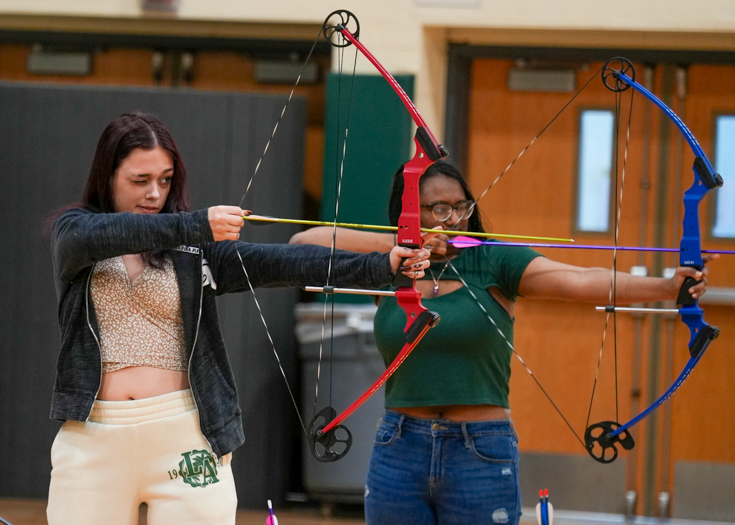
411, 36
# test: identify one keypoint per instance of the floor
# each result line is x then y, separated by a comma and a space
33, 512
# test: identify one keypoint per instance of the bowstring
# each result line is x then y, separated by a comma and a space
548, 124
334, 233
280, 118
242, 263
512, 348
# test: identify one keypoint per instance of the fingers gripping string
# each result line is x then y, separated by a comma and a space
512, 348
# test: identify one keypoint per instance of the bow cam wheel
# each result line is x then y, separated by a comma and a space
601, 444
332, 445
611, 73
335, 23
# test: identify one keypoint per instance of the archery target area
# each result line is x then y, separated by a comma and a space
500, 91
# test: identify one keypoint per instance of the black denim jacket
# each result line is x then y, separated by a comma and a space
204, 269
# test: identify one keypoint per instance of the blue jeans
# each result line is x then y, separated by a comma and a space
425, 471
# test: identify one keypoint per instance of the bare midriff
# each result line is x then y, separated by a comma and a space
461, 413
140, 382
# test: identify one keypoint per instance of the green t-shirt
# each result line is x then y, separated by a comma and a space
463, 360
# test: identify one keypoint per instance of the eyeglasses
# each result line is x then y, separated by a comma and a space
442, 211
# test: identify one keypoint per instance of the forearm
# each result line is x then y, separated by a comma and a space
594, 287
271, 265
346, 239
545, 279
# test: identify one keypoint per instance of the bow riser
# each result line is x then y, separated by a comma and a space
409, 299
409, 223
690, 249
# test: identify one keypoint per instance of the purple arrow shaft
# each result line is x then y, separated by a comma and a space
466, 242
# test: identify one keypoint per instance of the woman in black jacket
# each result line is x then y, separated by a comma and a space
143, 381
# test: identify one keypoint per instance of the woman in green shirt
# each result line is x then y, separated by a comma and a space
446, 451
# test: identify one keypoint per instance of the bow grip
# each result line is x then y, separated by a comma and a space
702, 333
399, 279
685, 298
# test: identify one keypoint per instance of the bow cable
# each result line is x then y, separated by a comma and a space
612, 296
512, 348
339, 168
242, 263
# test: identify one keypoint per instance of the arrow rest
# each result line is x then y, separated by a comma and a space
332, 29
612, 69
599, 439
332, 445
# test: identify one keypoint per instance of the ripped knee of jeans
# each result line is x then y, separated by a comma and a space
500, 516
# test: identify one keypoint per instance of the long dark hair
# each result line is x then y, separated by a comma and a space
121, 136
438, 168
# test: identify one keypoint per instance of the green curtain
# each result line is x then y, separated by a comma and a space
379, 139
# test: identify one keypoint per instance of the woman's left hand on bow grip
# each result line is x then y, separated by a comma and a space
226, 222
417, 260
414, 265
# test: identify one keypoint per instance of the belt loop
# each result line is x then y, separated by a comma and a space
400, 425
513, 428
467, 438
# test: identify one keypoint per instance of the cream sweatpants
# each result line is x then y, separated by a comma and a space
147, 450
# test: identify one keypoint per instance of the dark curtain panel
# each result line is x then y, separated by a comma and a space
49, 134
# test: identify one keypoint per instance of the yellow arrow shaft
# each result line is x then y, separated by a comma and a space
258, 218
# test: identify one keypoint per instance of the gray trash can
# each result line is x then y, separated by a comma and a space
355, 366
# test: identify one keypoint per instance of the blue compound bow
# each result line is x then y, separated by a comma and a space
601, 439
